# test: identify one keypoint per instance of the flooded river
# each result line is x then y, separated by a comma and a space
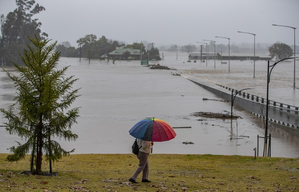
115, 96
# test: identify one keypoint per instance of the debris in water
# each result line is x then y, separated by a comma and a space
223, 114
187, 142
206, 99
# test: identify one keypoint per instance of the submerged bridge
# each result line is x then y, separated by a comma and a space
280, 113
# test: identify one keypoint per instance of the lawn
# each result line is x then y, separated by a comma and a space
168, 172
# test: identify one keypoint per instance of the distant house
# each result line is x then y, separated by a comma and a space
122, 53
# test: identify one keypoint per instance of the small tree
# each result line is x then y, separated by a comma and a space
39, 114
188, 48
280, 51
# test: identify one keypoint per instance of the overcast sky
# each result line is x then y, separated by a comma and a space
165, 22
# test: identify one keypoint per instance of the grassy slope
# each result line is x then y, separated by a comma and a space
102, 172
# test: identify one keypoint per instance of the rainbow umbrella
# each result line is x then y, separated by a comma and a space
152, 129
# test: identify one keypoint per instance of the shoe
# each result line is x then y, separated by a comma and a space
146, 180
132, 180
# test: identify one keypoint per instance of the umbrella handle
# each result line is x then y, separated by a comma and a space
152, 144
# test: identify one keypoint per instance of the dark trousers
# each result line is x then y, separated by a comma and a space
142, 166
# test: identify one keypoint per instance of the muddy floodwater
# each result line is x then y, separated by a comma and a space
116, 96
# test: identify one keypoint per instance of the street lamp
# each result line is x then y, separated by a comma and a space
294, 84
228, 50
253, 50
141, 52
214, 43
206, 52
232, 105
269, 71
233, 98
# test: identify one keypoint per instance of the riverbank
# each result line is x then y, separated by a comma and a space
110, 172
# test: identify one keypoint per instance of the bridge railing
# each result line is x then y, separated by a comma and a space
278, 105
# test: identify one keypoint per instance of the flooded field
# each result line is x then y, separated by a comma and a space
115, 96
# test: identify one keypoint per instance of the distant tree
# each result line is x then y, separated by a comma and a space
222, 48
40, 113
173, 48
93, 48
66, 44
62, 49
280, 51
103, 41
104, 46
116, 44
126, 54
15, 28
67, 51
163, 48
154, 54
88, 43
188, 48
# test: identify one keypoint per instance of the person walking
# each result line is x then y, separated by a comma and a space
143, 166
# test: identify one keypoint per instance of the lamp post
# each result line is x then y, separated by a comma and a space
294, 83
228, 50
233, 99
214, 42
253, 49
141, 52
269, 71
232, 105
206, 52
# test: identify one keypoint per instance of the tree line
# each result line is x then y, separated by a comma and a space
93, 48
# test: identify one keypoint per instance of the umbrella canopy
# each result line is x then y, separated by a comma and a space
152, 129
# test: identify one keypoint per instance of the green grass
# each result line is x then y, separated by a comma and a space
110, 172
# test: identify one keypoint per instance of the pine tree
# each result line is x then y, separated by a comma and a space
40, 113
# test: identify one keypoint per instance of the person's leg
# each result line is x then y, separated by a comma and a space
145, 171
142, 163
